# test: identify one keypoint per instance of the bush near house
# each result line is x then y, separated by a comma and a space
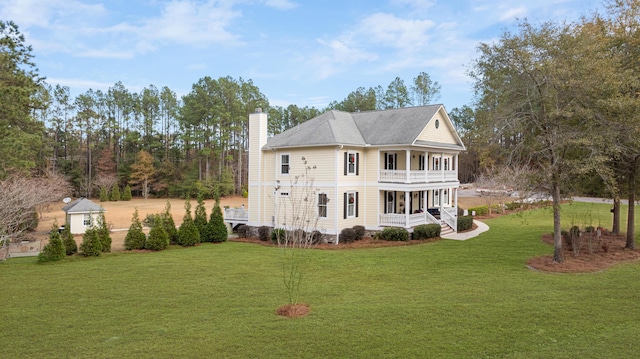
135, 237
480, 210
426, 231
244, 231
394, 234
359, 232
70, 245
465, 223
263, 233
278, 234
347, 235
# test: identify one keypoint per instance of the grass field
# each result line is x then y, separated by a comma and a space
448, 299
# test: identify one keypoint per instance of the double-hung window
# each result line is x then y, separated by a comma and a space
350, 205
284, 164
351, 163
86, 221
322, 205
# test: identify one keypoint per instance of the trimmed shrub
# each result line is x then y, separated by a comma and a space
394, 234
513, 206
465, 222
480, 211
347, 235
216, 229
103, 234
126, 195
426, 231
244, 231
200, 219
115, 194
91, 245
169, 224
188, 234
278, 235
359, 232
70, 245
158, 238
54, 250
264, 233
135, 237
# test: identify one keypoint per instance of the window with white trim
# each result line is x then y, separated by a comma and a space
436, 197
445, 196
284, 194
350, 205
421, 163
435, 163
323, 201
284, 164
352, 163
446, 164
86, 220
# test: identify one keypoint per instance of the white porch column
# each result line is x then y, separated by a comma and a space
426, 166
406, 208
442, 166
407, 178
440, 199
455, 161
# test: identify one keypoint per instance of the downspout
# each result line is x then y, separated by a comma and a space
335, 212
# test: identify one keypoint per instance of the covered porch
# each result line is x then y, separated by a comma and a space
408, 209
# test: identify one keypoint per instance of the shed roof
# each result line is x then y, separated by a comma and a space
82, 205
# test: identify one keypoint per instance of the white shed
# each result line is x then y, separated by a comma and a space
82, 214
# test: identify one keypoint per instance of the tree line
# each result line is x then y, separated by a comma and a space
153, 140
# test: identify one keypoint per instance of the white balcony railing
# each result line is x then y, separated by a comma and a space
401, 220
415, 176
236, 214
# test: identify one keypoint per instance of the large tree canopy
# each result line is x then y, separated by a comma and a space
20, 134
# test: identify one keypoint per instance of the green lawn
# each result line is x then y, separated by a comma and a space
449, 299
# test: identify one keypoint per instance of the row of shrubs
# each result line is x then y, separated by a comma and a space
95, 241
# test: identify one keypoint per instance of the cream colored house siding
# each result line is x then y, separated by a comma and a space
76, 222
321, 157
442, 134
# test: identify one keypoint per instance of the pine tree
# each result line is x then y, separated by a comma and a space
216, 228
54, 250
103, 194
126, 195
188, 234
200, 219
103, 234
135, 238
169, 224
70, 245
115, 194
91, 245
158, 238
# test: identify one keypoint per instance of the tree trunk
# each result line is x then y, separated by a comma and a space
557, 229
631, 240
615, 229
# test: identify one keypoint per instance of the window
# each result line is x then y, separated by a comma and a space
284, 194
390, 160
446, 164
436, 197
87, 220
421, 162
351, 163
436, 163
437, 123
351, 204
322, 205
445, 196
284, 164
391, 202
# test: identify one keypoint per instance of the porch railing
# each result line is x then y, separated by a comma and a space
400, 220
449, 216
416, 176
237, 214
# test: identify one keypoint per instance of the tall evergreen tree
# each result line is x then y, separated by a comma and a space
188, 234
135, 238
200, 218
216, 228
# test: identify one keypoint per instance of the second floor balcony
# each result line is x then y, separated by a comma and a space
417, 176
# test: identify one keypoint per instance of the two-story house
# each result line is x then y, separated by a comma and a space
396, 167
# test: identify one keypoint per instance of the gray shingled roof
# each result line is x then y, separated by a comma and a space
389, 127
82, 205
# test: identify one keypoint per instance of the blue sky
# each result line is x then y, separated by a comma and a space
307, 53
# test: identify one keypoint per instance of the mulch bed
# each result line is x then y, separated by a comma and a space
366, 242
604, 252
293, 310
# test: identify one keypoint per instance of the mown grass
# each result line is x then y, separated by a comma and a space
445, 299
